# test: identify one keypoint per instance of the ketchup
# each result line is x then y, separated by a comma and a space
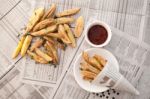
97, 34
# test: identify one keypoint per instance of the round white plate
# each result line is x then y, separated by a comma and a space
86, 85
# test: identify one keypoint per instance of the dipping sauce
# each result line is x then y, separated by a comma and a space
97, 34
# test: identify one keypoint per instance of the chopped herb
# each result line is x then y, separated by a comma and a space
65, 46
50, 62
55, 66
80, 68
18, 35
55, 16
60, 41
27, 34
31, 57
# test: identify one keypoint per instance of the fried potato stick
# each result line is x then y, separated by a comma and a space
25, 45
88, 74
35, 17
86, 66
43, 55
44, 31
36, 57
85, 56
63, 35
70, 35
43, 24
79, 25
18, 48
88, 78
68, 12
95, 63
49, 13
64, 20
100, 59
36, 44
54, 51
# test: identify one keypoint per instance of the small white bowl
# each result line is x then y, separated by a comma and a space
86, 85
97, 22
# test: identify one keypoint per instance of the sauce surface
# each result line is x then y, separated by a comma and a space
97, 34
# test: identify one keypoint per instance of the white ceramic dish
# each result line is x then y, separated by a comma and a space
86, 85
97, 22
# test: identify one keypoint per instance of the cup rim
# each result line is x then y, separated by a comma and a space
97, 22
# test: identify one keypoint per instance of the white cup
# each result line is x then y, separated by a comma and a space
97, 22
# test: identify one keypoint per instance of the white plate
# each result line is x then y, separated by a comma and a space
86, 85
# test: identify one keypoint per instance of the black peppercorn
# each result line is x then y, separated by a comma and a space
113, 97
114, 91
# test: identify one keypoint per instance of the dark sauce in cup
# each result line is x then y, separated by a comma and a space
97, 34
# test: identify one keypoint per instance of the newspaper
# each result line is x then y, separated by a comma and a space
130, 24
48, 75
133, 57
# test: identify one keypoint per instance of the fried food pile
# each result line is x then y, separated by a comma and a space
91, 66
46, 32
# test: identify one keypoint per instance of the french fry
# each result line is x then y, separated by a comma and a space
95, 63
25, 45
43, 55
50, 12
35, 17
68, 12
54, 35
63, 34
100, 59
79, 26
70, 35
48, 50
88, 78
36, 44
49, 39
37, 58
88, 74
85, 56
64, 20
18, 48
86, 66
54, 51
44, 31
43, 24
